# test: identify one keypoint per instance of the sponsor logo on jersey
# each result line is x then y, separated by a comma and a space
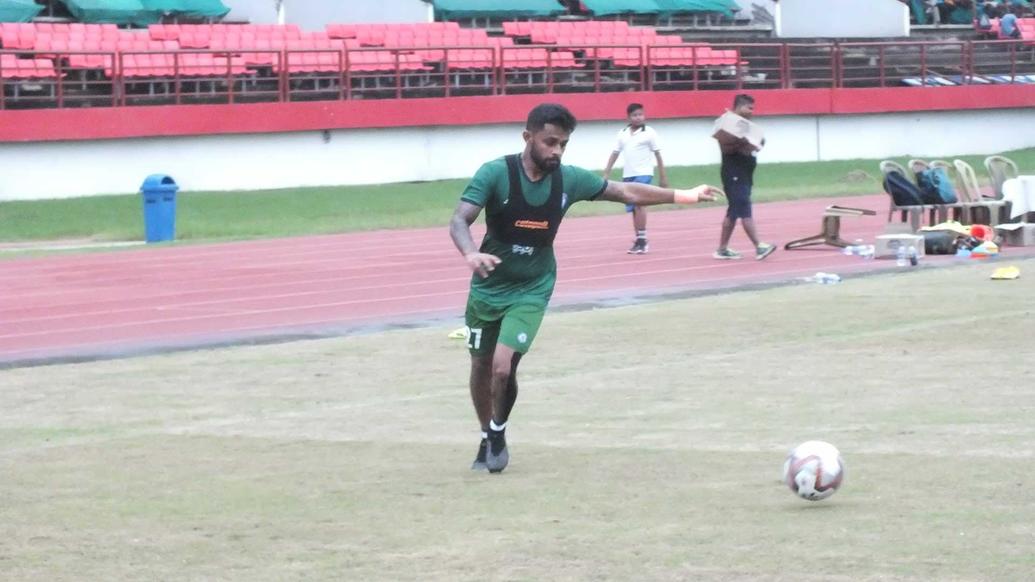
533, 224
522, 250
522, 337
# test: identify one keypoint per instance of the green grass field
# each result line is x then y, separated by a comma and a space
652, 453
275, 213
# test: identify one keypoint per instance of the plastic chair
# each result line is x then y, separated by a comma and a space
1000, 169
971, 194
831, 232
916, 166
911, 214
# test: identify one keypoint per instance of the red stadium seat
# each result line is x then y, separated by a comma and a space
28, 68
162, 31
266, 58
544, 37
370, 37
18, 37
471, 59
524, 58
194, 39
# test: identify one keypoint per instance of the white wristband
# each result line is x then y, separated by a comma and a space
686, 197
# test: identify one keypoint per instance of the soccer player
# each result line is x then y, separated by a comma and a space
525, 196
738, 173
638, 142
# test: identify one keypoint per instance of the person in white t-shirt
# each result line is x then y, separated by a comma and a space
638, 142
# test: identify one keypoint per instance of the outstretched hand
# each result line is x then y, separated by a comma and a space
708, 193
702, 193
482, 263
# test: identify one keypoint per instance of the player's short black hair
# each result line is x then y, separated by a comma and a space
633, 107
551, 113
743, 99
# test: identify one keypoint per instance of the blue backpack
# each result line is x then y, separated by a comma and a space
902, 190
936, 187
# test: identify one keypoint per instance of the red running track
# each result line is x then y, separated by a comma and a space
96, 305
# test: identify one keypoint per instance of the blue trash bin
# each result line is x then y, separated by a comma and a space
159, 193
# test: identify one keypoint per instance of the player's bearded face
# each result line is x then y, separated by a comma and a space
547, 146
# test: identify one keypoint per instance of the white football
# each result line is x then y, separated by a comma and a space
814, 470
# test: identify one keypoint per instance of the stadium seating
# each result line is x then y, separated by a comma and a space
633, 45
383, 61
173, 31
274, 62
354, 30
12, 67
22, 35
556, 44
179, 64
1025, 25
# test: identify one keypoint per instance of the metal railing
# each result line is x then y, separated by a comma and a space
128, 78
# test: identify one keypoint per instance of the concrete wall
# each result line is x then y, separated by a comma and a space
749, 10
315, 14
364, 156
841, 19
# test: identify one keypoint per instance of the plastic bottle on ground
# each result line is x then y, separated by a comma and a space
826, 278
859, 250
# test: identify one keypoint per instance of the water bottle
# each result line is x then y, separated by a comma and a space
901, 258
914, 257
826, 278
859, 250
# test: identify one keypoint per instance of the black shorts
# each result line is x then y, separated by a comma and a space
737, 182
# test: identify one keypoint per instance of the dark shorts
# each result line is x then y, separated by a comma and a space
737, 184
638, 180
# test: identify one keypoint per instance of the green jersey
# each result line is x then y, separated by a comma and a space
525, 274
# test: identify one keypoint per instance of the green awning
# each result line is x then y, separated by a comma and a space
454, 9
18, 10
724, 7
190, 8
612, 7
112, 11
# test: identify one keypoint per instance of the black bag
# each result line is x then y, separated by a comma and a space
902, 190
940, 242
